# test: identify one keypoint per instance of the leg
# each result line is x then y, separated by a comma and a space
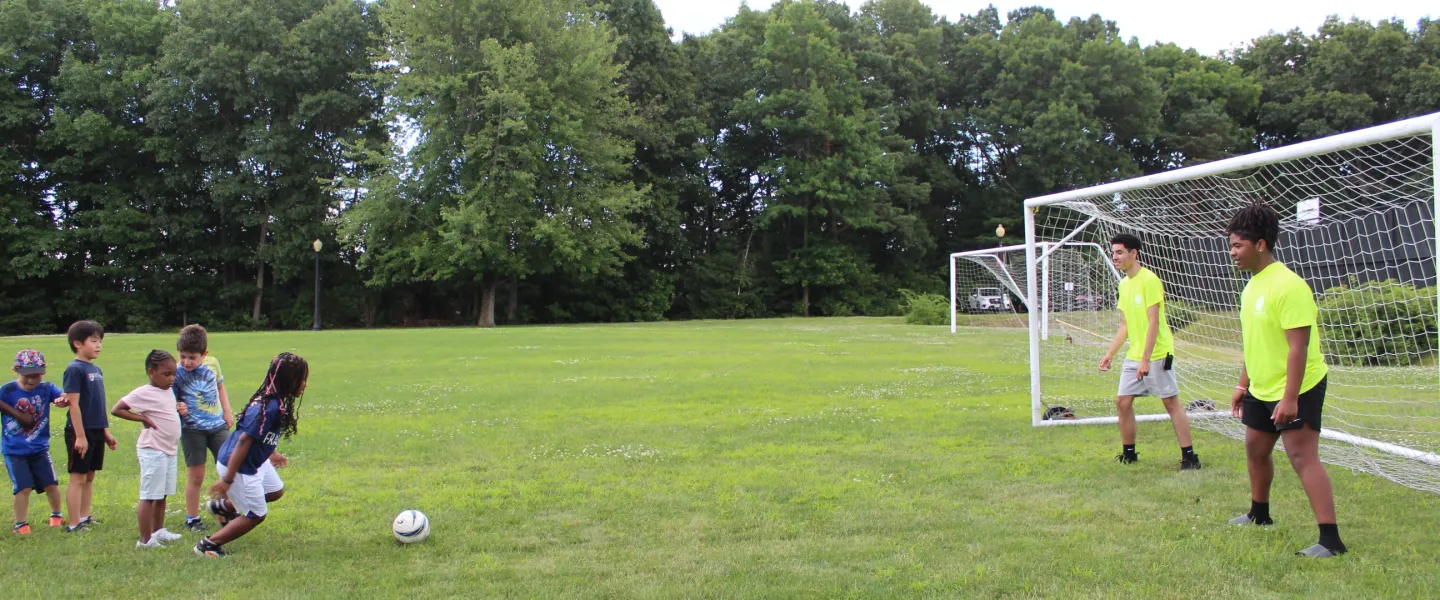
22, 504
87, 493
1179, 420
1125, 406
145, 514
275, 495
1259, 446
74, 497
1303, 447
194, 482
158, 517
52, 493
236, 528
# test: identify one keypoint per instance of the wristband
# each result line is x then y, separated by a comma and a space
231, 482
1242, 388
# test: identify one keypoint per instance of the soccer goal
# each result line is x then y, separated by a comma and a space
1358, 223
988, 288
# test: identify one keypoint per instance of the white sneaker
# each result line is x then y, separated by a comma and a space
153, 544
164, 535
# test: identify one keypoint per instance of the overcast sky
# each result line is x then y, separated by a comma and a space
1208, 26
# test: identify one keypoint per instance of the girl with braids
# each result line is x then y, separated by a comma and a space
248, 459
153, 405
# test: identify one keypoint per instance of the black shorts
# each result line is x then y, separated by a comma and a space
196, 442
94, 459
1310, 404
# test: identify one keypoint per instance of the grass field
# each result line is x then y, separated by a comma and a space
823, 458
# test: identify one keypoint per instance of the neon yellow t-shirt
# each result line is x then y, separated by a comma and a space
1276, 299
1137, 295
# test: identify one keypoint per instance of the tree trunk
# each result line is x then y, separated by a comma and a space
260, 272
487, 304
805, 298
514, 303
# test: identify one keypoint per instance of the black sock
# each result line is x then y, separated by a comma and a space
1330, 538
1260, 513
1187, 452
1129, 450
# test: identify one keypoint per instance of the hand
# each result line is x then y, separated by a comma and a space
219, 490
110, 440
279, 460
1237, 403
1105, 363
81, 444
26, 420
1142, 370
229, 421
143, 421
61, 402
1285, 412
182, 409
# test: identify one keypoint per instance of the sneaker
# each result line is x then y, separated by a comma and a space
1318, 551
164, 535
1191, 463
1126, 459
21, 529
222, 515
195, 525
153, 544
209, 549
57, 521
1246, 519
89, 521
80, 527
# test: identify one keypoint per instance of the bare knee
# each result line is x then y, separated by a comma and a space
275, 495
196, 476
1125, 403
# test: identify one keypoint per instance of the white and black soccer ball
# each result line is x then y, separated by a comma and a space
411, 527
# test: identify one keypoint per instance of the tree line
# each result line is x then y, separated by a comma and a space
486, 161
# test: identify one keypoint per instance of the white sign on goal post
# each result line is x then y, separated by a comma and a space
1358, 223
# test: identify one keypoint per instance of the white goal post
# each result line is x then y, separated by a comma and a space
1358, 223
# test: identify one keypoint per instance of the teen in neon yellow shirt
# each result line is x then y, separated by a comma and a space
1148, 369
1281, 392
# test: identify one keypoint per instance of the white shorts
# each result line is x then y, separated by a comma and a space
248, 491
1159, 382
157, 473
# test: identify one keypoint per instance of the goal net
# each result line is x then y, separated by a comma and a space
1358, 224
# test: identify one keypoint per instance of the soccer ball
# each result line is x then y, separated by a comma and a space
411, 526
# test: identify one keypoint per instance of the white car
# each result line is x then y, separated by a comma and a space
989, 299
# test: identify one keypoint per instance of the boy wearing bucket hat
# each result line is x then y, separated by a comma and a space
25, 415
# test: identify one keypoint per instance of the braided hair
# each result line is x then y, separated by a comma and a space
284, 381
157, 358
1256, 222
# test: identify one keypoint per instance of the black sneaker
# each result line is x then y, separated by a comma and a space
1126, 459
88, 521
80, 527
1190, 463
195, 525
209, 549
222, 515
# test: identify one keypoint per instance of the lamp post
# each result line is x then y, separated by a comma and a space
317, 246
999, 233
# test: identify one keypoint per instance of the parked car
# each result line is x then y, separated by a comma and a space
988, 299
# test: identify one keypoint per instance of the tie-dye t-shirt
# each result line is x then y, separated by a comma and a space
199, 389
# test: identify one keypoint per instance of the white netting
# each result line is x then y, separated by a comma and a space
1359, 225
989, 288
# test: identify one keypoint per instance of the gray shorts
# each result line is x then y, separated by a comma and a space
195, 442
1159, 383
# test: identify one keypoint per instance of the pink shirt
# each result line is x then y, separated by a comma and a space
159, 406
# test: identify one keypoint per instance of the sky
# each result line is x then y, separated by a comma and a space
1208, 26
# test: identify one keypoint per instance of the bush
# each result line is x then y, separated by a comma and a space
1179, 314
926, 309
1378, 323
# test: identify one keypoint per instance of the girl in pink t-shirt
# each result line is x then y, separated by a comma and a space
153, 405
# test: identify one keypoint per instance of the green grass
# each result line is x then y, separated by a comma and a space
816, 458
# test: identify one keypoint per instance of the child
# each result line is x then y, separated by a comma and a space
248, 459
25, 403
87, 426
154, 406
205, 411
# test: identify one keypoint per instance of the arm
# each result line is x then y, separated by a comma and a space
1115, 344
1236, 398
225, 406
280, 461
1299, 341
24, 419
122, 409
232, 467
1153, 313
78, 421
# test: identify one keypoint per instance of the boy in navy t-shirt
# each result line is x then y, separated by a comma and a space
25, 404
248, 481
87, 427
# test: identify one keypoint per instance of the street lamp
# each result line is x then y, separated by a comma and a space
999, 233
317, 246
